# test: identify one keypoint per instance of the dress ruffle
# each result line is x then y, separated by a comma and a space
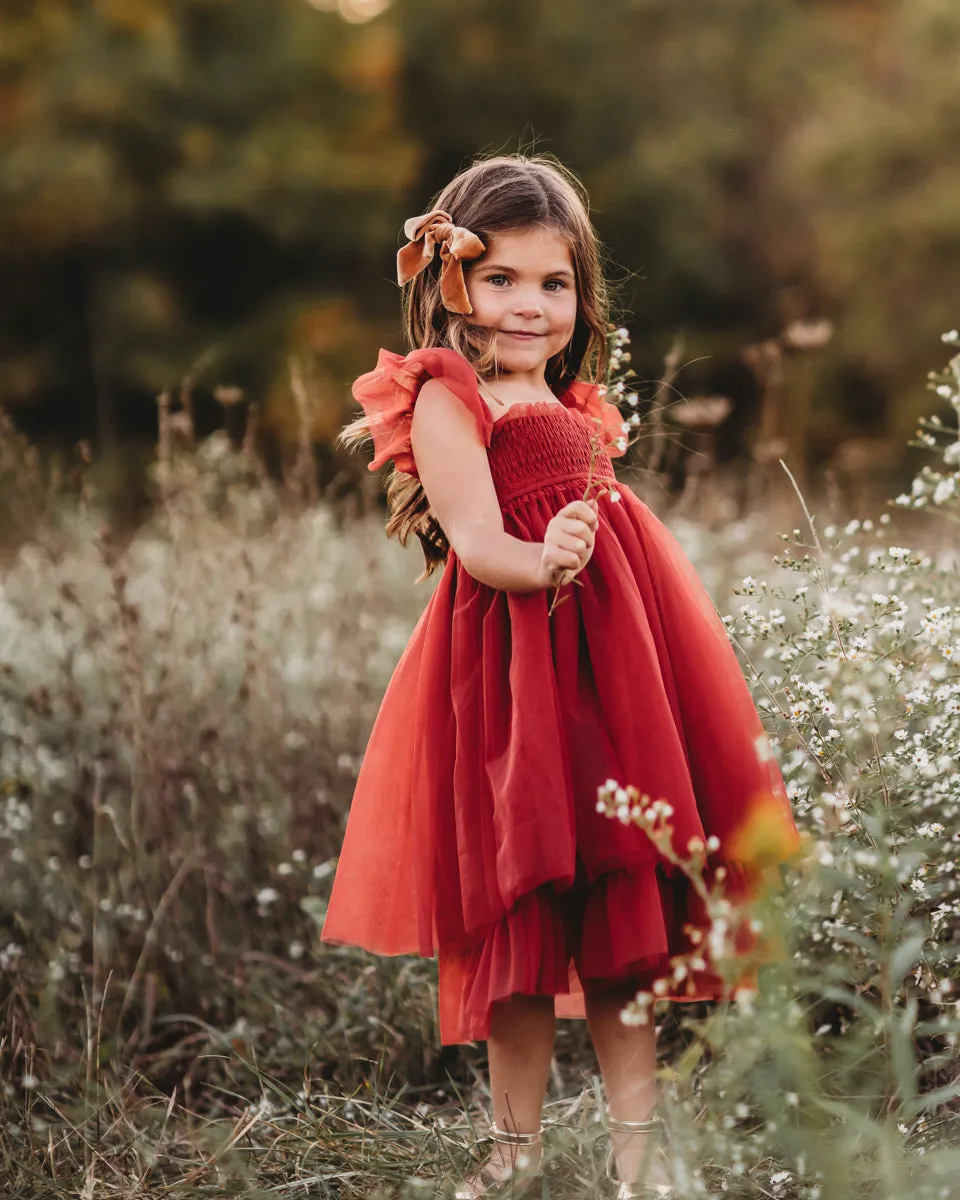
389, 392
474, 832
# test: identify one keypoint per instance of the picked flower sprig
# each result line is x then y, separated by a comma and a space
710, 947
619, 372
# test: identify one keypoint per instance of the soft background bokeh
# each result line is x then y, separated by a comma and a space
223, 182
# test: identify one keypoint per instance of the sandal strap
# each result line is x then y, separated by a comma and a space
654, 1125
637, 1191
507, 1138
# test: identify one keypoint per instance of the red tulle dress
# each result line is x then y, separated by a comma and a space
474, 833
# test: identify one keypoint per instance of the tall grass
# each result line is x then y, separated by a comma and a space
183, 710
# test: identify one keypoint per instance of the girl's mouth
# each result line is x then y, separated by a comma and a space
521, 335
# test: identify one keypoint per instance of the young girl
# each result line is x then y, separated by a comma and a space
474, 832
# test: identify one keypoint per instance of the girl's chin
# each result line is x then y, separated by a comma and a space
525, 356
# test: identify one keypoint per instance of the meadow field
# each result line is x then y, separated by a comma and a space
183, 709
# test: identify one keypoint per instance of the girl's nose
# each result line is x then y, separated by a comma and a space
528, 306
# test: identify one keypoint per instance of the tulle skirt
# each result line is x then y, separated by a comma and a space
475, 834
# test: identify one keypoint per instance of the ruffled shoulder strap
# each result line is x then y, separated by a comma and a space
589, 400
389, 392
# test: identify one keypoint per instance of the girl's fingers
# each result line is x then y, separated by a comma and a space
571, 539
573, 542
580, 509
580, 531
563, 560
576, 522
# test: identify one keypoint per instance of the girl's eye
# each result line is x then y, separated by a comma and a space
499, 281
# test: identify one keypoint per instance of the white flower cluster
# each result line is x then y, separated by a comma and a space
10, 955
859, 689
933, 488
16, 817
618, 352
618, 391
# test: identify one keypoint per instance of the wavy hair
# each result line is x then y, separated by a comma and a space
501, 194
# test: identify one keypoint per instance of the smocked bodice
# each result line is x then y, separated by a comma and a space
540, 445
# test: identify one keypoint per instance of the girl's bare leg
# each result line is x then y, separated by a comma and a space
627, 1055
520, 1048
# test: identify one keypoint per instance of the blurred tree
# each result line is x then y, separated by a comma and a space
874, 167
750, 165
186, 173
176, 172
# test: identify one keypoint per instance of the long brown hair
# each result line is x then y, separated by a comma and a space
502, 194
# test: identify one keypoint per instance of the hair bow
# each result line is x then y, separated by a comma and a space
456, 244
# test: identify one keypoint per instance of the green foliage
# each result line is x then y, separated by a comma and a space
176, 173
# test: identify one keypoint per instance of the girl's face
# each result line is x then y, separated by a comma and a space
524, 288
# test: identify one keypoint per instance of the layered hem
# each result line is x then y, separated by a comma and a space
624, 927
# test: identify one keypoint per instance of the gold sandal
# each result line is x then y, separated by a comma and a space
519, 1174
638, 1191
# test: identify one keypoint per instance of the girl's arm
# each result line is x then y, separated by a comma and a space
453, 468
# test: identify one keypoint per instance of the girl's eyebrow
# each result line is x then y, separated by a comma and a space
512, 270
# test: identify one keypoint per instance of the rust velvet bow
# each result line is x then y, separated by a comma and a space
456, 244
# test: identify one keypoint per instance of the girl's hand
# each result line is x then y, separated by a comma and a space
568, 542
